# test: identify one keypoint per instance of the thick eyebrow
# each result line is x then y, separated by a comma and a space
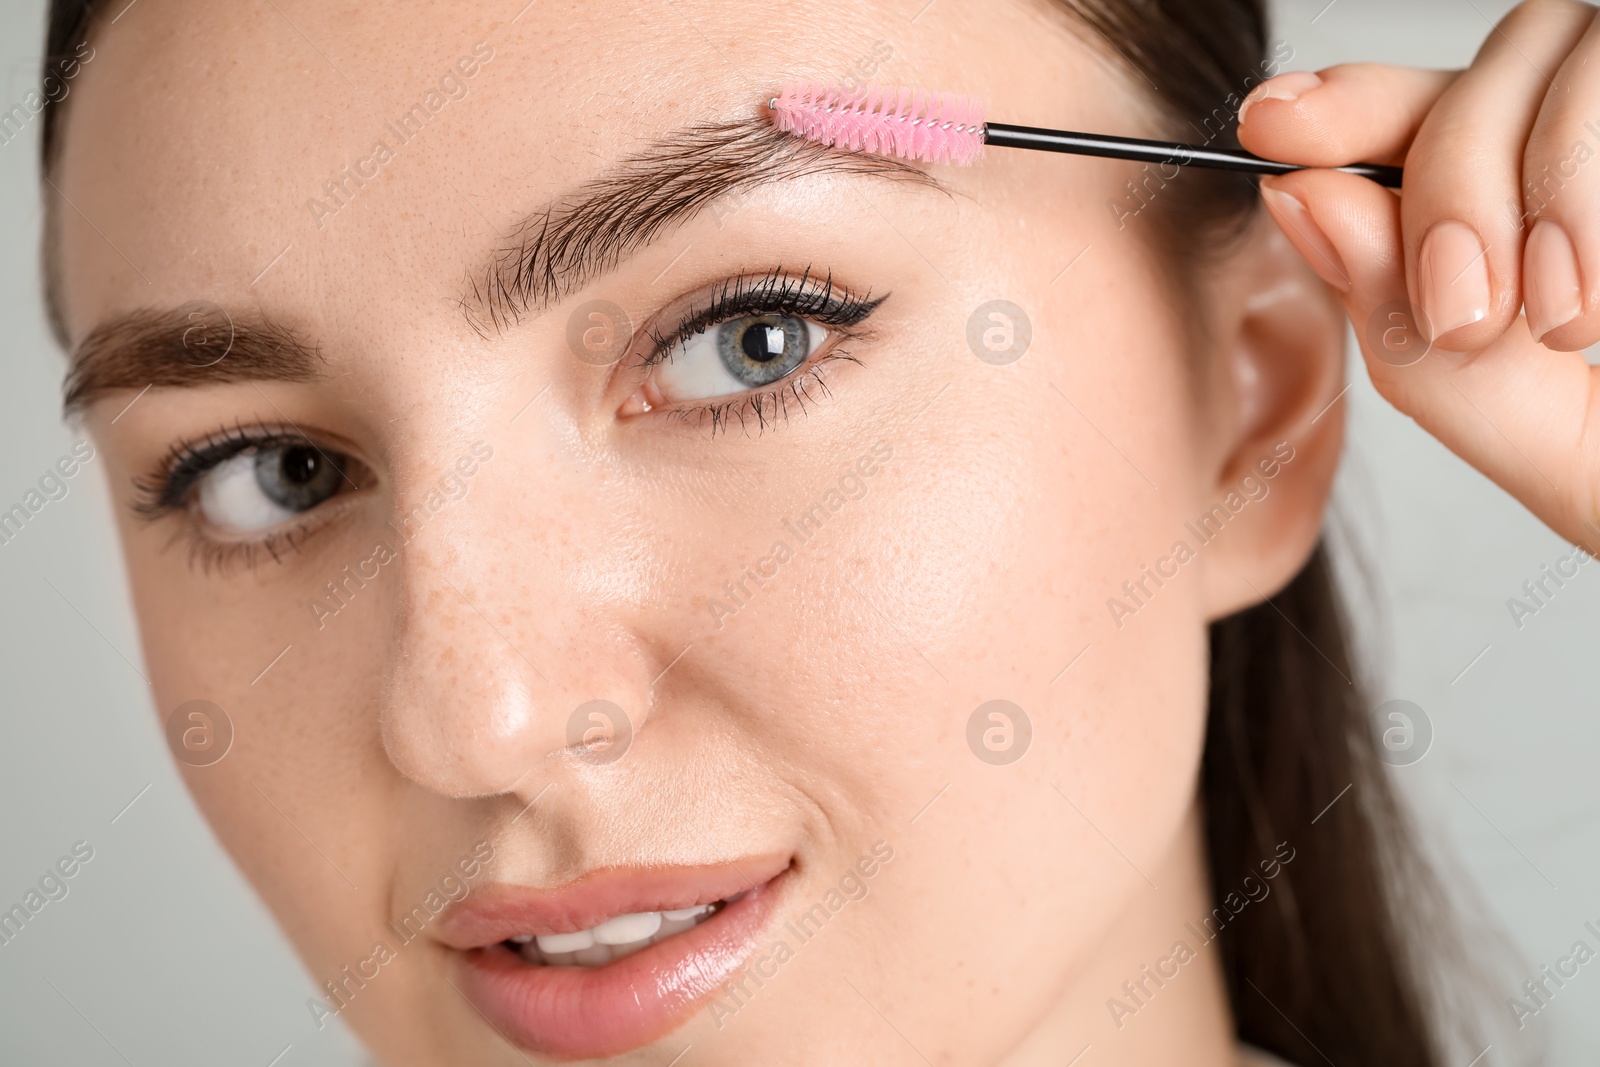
195, 344
568, 242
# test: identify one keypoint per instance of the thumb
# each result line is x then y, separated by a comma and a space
1355, 113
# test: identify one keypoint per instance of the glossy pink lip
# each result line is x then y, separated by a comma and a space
587, 1012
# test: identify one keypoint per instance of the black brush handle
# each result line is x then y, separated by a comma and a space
1184, 155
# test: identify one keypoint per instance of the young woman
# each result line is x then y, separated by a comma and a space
679, 595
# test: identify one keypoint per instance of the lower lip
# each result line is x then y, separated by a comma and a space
586, 1012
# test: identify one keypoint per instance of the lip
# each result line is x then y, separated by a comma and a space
588, 1012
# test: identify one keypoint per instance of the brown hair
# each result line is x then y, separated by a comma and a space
1338, 963
1328, 967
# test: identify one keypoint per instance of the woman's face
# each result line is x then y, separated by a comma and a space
517, 405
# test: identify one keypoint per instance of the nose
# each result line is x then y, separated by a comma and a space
496, 661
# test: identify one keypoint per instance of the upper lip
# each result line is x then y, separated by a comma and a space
501, 910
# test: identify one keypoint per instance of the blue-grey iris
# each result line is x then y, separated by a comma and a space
296, 477
760, 349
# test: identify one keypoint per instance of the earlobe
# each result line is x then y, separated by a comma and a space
1282, 345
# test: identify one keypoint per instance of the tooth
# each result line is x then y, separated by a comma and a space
522, 939
530, 953
560, 959
593, 956
627, 928
565, 942
686, 913
670, 926
619, 951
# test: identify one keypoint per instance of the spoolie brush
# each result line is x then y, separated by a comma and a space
946, 128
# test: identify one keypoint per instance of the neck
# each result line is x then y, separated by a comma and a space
1151, 992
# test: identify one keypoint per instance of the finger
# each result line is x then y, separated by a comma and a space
1463, 248
1517, 411
1561, 263
1355, 113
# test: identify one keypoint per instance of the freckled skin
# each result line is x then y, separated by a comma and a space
826, 712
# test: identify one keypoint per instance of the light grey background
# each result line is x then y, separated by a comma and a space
160, 954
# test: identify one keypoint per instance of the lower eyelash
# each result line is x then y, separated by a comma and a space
768, 407
223, 557
165, 491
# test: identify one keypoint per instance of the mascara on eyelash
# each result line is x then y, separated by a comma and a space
773, 293
777, 292
168, 490
165, 490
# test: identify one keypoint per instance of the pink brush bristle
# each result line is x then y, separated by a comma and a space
909, 123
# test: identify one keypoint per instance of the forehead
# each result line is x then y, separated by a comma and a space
211, 150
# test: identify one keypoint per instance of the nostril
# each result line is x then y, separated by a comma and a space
496, 663
599, 732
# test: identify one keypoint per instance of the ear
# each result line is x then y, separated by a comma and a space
1276, 430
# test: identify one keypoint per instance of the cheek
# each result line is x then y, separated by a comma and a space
977, 568
300, 707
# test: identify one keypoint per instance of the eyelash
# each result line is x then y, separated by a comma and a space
773, 293
166, 491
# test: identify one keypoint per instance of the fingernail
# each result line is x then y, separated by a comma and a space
1454, 282
1289, 86
1553, 290
1301, 227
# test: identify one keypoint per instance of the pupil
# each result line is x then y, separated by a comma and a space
299, 466
762, 343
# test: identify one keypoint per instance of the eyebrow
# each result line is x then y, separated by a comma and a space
549, 253
569, 242
194, 344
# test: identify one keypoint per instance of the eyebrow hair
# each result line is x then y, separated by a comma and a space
567, 243
551, 252
170, 347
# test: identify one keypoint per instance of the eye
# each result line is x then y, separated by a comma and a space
750, 348
743, 353
267, 485
244, 492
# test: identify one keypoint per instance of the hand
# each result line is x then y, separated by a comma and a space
1500, 212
